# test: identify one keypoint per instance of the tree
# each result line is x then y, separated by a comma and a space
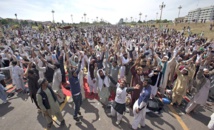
4, 21
121, 21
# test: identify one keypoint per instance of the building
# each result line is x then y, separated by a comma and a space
180, 19
201, 15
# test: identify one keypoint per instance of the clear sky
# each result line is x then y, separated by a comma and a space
109, 10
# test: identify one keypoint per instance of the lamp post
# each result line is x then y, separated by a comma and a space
84, 16
161, 8
157, 16
53, 14
16, 17
140, 16
179, 8
71, 18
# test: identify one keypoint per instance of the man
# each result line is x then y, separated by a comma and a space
3, 94
103, 87
47, 102
57, 80
181, 83
76, 91
32, 83
155, 76
17, 75
203, 84
120, 99
139, 108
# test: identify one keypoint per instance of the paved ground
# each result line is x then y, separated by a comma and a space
21, 114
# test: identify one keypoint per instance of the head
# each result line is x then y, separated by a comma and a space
143, 63
43, 83
184, 71
145, 82
76, 59
14, 63
101, 73
125, 55
206, 73
74, 73
139, 70
123, 83
114, 63
98, 57
57, 66
165, 59
30, 73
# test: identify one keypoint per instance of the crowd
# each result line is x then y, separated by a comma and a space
136, 64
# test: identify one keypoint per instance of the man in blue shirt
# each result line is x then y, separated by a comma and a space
76, 90
139, 108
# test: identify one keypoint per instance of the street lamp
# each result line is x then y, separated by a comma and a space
84, 16
140, 16
156, 15
71, 18
53, 14
179, 8
161, 8
16, 17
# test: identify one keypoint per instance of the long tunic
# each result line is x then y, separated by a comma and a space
54, 105
202, 95
181, 83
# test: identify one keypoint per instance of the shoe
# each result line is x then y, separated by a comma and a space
49, 125
5, 102
77, 120
117, 122
62, 123
109, 115
80, 115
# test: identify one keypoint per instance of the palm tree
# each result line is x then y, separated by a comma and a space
179, 8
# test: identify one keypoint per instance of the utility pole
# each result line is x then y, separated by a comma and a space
71, 18
179, 8
53, 14
161, 8
140, 16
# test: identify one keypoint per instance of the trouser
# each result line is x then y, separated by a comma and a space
211, 125
33, 97
139, 118
191, 106
58, 116
60, 96
81, 84
113, 113
93, 88
3, 94
176, 98
77, 102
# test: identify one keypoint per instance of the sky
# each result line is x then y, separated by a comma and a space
108, 10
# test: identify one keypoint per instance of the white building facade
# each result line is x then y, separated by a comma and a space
201, 14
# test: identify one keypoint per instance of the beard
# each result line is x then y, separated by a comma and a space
207, 76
